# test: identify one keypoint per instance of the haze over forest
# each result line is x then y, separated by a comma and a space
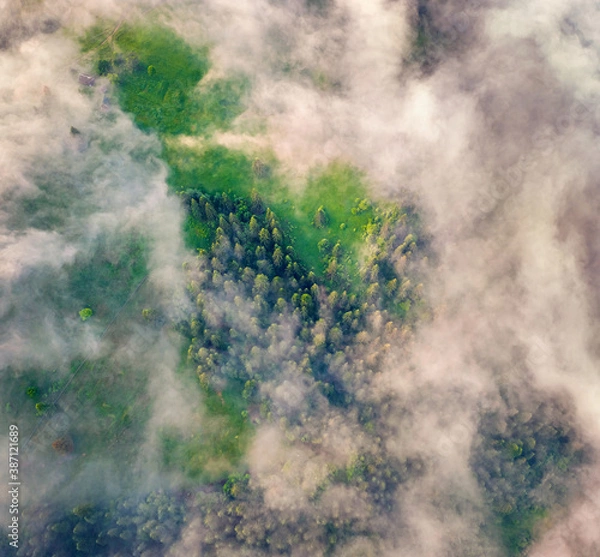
301, 277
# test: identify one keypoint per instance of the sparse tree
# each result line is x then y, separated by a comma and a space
320, 219
254, 227
264, 236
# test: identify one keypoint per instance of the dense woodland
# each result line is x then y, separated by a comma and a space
263, 324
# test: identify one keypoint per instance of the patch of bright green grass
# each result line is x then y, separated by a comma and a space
156, 77
212, 169
157, 74
104, 280
338, 189
196, 234
517, 529
215, 451
219, 102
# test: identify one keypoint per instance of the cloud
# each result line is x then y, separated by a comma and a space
79, 186
498, 144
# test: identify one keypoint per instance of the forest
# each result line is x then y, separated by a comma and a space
286, 307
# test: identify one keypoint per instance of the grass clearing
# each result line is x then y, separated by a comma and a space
217, 449
104, 280
339, 189
159, 81
158, 75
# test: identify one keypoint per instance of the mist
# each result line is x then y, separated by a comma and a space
487, 127
79, 182
495, 139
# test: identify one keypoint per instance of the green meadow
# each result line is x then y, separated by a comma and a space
159, 80
338, 189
